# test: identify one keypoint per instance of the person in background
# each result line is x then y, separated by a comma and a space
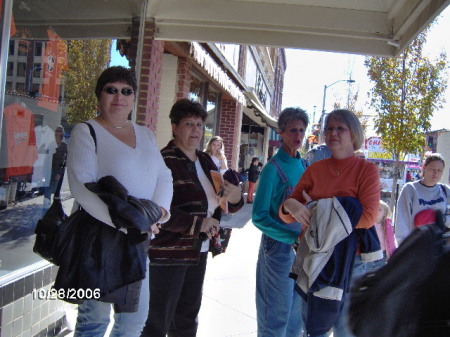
253, 175
409, 177
129, 153
178, 254
385, 233
216, 150
278, 305
417, 196
318, 152
341, 175
58, 159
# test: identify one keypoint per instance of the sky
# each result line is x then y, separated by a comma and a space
309, 71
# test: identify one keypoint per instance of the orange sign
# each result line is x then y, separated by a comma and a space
54, 62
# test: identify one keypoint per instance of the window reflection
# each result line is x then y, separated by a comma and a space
202, 92
211, 108
33, 144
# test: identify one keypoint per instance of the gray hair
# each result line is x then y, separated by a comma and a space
291, 114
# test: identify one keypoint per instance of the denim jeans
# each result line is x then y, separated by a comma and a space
278, 305
375, 265
341, 328
94, 316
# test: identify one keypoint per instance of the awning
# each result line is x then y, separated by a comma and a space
257, 112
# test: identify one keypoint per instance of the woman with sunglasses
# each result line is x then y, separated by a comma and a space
129, 153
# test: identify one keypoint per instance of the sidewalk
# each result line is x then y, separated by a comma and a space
228, 306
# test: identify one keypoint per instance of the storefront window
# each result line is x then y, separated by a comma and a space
196, 89
203, 93
211, 108
35, 130
30, 148
11, 47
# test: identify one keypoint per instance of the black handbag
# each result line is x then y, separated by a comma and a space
46, 230
95, 259
47, 233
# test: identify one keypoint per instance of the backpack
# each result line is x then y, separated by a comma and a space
409, 296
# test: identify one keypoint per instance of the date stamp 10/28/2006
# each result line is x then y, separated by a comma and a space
66, 294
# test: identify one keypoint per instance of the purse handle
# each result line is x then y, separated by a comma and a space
56, 196
61, 178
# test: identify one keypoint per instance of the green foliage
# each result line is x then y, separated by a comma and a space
87, 60
407, 90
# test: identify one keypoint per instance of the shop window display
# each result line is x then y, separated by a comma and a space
31, 138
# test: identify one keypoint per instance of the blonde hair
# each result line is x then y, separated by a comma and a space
208, 148
387, 212
352, 121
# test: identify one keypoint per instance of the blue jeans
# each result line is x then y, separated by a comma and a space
278, 305
375, 265
94, 316
341, 329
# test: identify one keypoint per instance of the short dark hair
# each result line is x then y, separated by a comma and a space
186, 108
255, 159
434, 157
115, 74
292, 114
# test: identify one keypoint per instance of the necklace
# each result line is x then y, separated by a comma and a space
338, 172
114, 127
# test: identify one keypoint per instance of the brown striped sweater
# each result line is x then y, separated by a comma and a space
179, 241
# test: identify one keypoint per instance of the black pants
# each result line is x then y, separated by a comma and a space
175, 299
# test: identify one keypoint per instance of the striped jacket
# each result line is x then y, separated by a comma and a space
179, 240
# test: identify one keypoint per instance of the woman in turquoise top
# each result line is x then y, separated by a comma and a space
278, 305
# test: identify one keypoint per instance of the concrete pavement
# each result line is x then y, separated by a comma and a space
228, 307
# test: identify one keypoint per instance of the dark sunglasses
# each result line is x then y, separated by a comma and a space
113, 91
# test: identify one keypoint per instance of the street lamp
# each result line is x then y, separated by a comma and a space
325, 87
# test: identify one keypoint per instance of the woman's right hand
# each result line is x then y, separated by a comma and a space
210, 227
300, 212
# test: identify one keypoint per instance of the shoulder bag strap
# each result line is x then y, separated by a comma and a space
444, 190
57, 193
56, 196
92, 132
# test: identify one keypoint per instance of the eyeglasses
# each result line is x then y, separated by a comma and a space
113, 91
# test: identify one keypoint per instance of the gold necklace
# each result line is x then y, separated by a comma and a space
338, 172
112, 126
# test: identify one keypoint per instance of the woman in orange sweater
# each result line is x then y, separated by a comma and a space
341, 175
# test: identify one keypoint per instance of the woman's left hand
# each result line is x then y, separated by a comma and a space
231, 192
155, 229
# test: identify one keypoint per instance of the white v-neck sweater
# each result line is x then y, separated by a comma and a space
141, 170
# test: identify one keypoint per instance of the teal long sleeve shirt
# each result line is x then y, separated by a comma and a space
269, 197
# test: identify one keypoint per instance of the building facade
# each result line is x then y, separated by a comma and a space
239, 86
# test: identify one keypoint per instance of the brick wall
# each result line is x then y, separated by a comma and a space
150, 79
183, 78
230, 123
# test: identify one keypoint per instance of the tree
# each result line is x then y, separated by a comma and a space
87, 60
407, 90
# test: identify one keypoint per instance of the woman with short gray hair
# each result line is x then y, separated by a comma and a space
278, 306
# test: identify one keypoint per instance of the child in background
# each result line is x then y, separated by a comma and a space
385, 233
